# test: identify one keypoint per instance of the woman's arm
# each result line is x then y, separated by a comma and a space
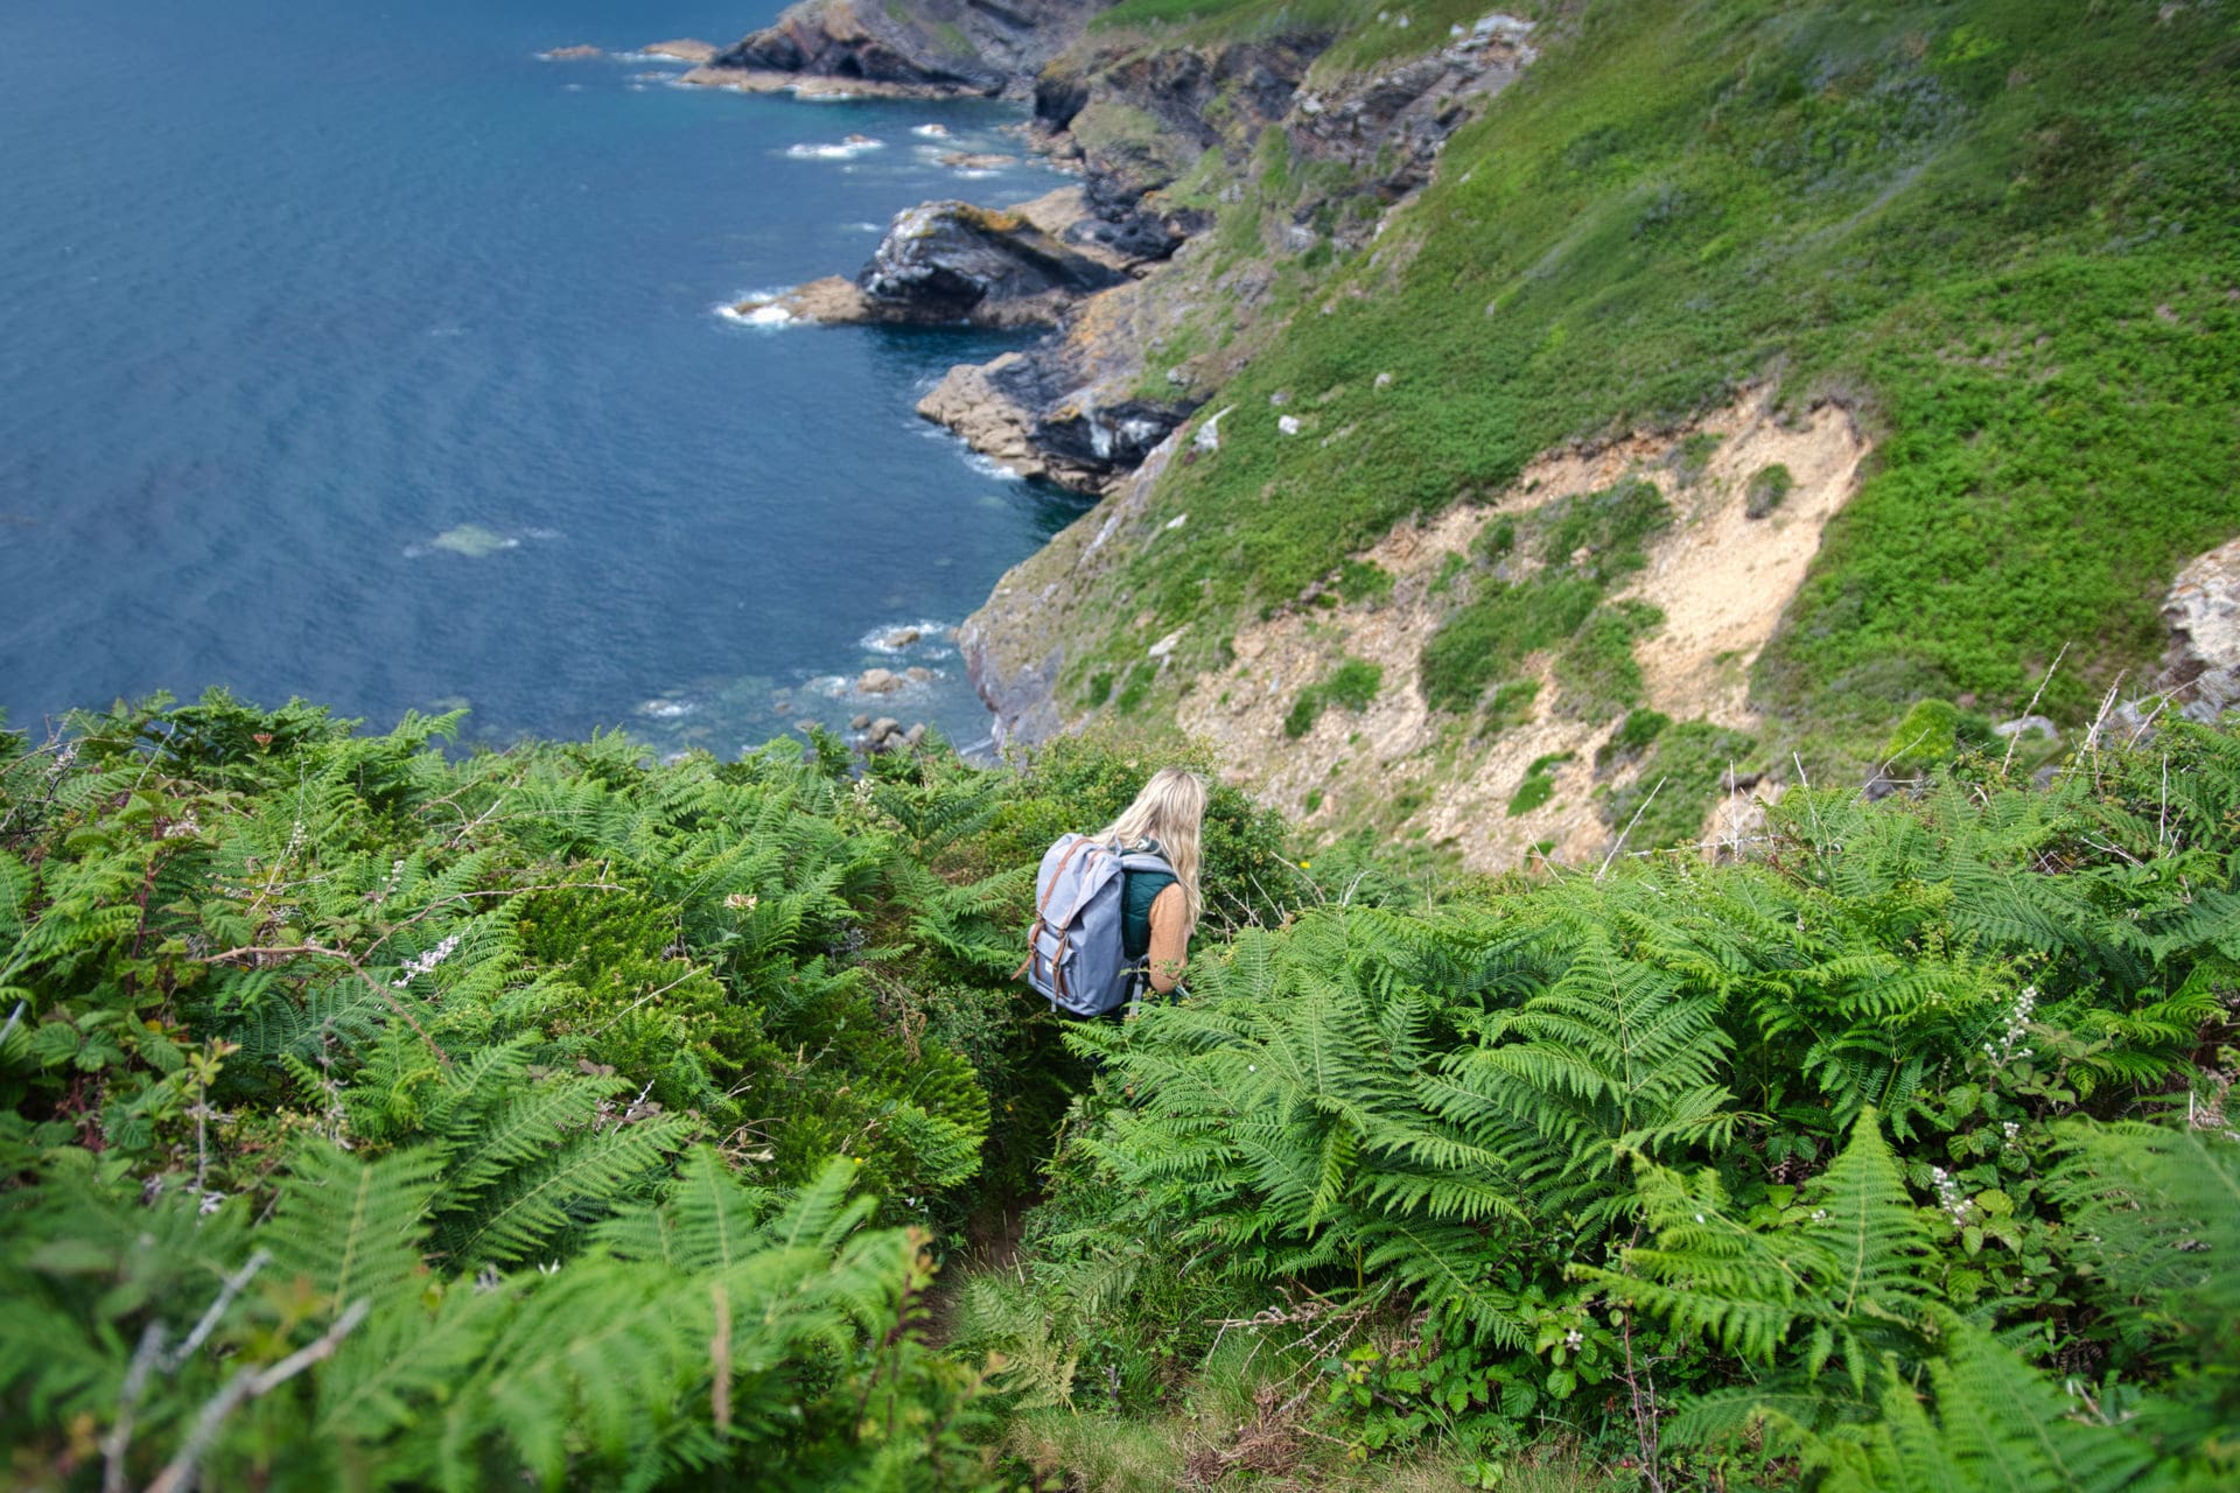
1170, 939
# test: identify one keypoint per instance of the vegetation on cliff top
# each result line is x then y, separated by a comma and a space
2002, 230
384, 1120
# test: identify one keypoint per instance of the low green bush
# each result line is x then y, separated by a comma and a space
1586, 546
1511, 704
1692, 456
1364, 583
1538, 784
1353, 685
1769, 488
1685, 772
1633, 737
1596, 671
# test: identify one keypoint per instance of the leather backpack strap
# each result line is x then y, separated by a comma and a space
1042, 907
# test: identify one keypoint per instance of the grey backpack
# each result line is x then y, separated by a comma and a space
1076, 952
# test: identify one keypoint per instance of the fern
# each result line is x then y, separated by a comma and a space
1843, 1269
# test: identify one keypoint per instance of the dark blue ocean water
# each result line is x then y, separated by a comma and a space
289, 292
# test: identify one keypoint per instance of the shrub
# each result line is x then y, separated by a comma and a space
1511, 704
1631, 739
1768, 487
1487, 638
1353, 685
1362, 582
1538, 784
1603, 535
1684, 774
1586, 544
1692, 455
1596, 669
1927, 735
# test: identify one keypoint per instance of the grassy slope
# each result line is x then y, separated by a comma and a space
2005, 228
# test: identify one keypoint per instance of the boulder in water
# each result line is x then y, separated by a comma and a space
683, 49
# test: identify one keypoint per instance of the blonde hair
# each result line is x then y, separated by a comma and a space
1169, 810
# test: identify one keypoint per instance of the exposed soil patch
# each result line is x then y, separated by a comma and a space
1721, 579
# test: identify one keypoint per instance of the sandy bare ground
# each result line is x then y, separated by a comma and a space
1721, 578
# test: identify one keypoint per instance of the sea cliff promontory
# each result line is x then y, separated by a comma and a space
1381, 269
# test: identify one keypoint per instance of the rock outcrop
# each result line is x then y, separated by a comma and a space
682, 49
950, 263
931, 49
1085, 406
947, 262
1034, 415
2203, 612
1388, 133
1014, 647
1138, 118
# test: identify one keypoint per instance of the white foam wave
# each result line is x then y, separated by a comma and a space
846, 150
931, 131
988, 466
667, 710
757, 308
896, 637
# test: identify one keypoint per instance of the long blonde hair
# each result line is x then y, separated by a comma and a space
1169, 810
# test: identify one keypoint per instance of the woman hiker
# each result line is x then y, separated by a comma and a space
1161, 911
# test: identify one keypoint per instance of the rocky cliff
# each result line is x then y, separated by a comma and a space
1363, 306
1172, 138
934, 48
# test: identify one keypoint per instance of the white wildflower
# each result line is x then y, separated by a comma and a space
425, 963
2010, 1045
1949, 1196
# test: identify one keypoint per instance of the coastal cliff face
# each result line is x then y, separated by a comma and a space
1206, 166
1381, 280
935, 47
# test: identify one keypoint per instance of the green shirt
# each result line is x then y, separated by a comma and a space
1138, 891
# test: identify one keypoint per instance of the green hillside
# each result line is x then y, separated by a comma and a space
552, 1118
2003, 233
379, 1115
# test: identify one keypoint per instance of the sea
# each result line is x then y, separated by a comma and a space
353, 352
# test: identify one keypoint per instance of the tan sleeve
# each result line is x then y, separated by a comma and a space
1170, 939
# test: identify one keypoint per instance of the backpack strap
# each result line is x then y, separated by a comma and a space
1042, 908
